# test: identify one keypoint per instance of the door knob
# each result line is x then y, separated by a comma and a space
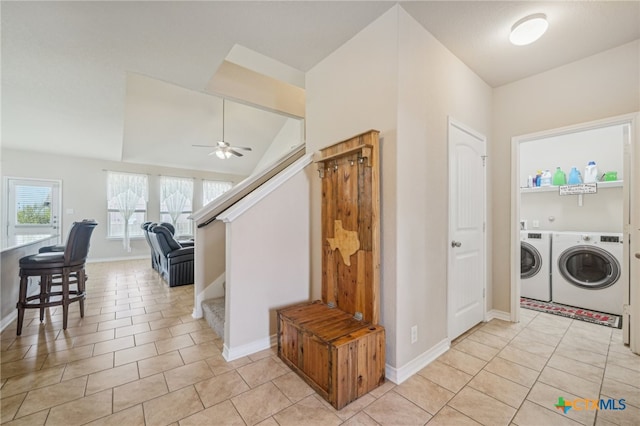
456, 243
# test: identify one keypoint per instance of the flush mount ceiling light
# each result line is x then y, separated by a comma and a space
528, 29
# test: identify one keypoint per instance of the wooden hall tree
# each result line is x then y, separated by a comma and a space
335, 344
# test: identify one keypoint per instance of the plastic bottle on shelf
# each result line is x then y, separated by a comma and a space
574, 177
559, 177
545, 179
530, 182
591, 172
538, 178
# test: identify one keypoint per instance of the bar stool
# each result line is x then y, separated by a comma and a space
68, 265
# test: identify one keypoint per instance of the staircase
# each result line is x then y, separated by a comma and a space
231, 235
213, 311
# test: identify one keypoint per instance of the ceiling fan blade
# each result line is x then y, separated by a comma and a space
246, 148
234, 152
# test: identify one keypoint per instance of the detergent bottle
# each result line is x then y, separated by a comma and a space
591, 172
545, 180
559, 177
574, 177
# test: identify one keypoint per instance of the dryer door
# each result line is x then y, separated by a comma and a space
589, 267
530, 260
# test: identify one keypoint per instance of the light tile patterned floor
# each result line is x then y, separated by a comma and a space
139, 358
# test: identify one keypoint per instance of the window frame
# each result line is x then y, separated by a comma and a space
204, 181
138, 233
183, 212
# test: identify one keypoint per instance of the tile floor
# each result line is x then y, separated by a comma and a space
139, 358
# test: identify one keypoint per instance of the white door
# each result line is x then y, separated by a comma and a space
631, 325
467, 194
627, 261
33, 207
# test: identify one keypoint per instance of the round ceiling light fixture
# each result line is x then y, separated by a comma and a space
528, 29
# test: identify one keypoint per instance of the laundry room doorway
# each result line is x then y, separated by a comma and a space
594, 210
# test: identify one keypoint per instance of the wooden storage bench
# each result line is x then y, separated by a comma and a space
340, 357
335, 344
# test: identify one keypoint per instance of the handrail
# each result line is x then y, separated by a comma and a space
244, 188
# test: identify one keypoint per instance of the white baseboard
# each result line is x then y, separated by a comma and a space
501, 315
231, 354
119, 259
399, 375
4, 323
208, 293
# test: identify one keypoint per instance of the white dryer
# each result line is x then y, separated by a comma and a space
535, 265
587, 269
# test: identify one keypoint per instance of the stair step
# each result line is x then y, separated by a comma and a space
213, 310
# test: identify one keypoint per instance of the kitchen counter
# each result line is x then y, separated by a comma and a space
13, 249
18, 241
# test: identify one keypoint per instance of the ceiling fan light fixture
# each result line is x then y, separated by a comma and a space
528, 29
223, 154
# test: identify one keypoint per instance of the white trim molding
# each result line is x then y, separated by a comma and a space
8, 319
231, 354
399, 375
501, 315
208, 293
265, 189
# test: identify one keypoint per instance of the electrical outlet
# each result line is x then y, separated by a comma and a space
414, 334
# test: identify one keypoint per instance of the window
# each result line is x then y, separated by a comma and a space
33, 206
176, 203
212, 189
127, 196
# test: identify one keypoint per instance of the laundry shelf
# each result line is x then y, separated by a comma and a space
553, 188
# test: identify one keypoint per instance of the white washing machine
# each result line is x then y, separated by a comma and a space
535, 265
587, 269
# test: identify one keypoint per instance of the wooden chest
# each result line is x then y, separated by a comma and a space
335, 344
340, 357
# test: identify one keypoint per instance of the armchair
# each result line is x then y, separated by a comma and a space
175, 261
172, 229
155, 260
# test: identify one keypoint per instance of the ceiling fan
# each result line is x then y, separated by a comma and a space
223, 149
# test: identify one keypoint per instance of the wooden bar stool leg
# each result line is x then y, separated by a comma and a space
65, 298
45, 287
81, 280
22, 301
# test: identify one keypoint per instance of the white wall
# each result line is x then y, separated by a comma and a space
84, 189
603, 145
210, 263
603, 85
267, 264
351, 91
290, 136
396, 77
434, 84
599, 212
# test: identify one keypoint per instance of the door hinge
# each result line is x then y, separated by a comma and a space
484, 160
484, 293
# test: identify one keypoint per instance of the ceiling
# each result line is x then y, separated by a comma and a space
125, 81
